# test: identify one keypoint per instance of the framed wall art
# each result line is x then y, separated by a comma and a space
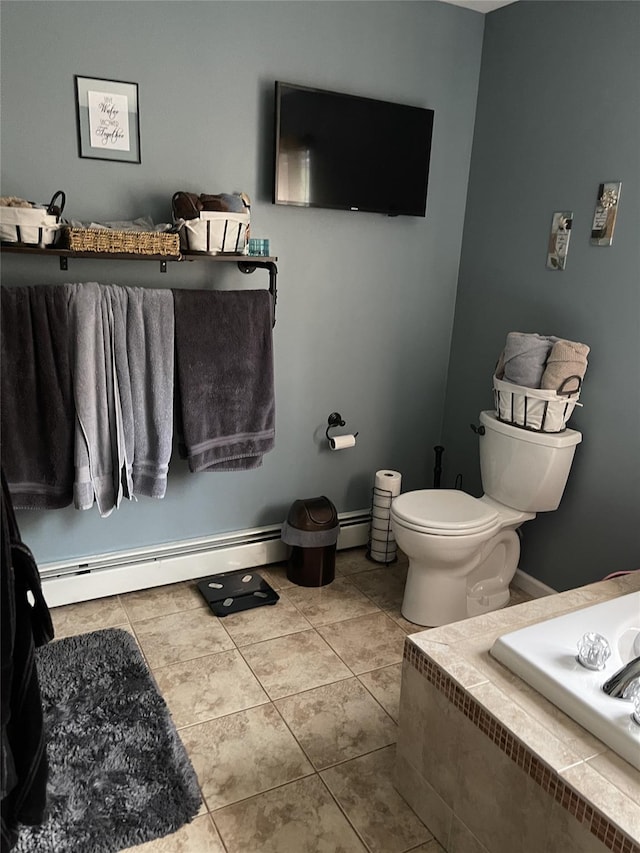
108, 119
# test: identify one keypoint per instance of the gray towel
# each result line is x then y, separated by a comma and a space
224, 367
566, 367
150, 348
123, 384
37, 397
124, 408
525, 355
96, 443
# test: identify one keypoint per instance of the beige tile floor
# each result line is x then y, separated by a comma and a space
289, 713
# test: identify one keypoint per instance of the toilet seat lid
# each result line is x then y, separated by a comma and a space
444, 512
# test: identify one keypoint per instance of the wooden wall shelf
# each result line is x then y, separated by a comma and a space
65, 254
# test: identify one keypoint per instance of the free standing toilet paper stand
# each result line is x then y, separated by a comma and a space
381, 540
382, 546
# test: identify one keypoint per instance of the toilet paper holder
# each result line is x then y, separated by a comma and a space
335, 420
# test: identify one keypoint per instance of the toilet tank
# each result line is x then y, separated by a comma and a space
523, 469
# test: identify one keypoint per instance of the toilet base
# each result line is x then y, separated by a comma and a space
439, 595
432, 600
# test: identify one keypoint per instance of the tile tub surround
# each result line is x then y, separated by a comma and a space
489, 764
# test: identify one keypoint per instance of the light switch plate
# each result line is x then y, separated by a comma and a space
559, 239
604, 218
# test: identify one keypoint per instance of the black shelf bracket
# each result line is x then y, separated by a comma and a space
64, 263
250, 266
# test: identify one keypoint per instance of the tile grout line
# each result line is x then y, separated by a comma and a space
346, 816
217, 832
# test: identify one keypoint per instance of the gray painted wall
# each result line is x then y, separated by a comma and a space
558, 112
366, 303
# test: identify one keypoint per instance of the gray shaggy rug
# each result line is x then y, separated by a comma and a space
118, 772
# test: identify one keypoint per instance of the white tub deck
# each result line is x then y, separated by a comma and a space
544, 655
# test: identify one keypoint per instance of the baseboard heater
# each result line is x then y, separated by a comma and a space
101, 575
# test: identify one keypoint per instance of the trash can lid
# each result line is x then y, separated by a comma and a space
313, 514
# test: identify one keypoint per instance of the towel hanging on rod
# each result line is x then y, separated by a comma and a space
224, 377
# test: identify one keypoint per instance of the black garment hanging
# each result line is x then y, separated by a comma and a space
24, 625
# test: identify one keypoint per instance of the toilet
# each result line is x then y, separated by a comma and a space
463, 551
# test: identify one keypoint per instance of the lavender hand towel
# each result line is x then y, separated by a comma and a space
37, 397
525, 356
224, 368
150, 347
566, 367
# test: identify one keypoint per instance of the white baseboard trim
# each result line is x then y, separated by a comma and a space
101, 575
532, 586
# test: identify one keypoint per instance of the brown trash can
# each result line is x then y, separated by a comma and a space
311, 530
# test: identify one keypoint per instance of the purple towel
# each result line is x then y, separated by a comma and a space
37, 396
224, 378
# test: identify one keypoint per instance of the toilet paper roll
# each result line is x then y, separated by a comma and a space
384, 555
380, 542
341, 442
381, 511
389, 481
380, 523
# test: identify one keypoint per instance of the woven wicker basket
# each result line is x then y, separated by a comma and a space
121, 242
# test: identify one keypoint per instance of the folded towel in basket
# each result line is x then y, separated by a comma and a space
224, 378
37, 397
566, 367
525, 356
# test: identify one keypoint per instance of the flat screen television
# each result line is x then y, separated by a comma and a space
350, 153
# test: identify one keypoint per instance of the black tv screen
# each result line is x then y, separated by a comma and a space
350, 153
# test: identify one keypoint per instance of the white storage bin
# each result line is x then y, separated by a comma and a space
215, 232
533, 408
31, 226
212, 231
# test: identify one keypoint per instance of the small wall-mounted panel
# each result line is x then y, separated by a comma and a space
604, 218
559, 239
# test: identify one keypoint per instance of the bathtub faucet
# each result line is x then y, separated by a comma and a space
619, 682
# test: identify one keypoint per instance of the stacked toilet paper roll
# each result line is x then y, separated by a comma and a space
382, 543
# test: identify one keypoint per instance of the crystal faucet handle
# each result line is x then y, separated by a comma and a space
593, 651
632, 691
635, 714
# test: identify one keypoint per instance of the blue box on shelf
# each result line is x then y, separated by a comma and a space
258, 248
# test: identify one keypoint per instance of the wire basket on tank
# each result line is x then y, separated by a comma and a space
534, 408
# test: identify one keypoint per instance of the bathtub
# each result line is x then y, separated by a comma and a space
544, 655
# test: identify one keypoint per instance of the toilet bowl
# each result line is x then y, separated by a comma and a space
462, 560
463, 551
